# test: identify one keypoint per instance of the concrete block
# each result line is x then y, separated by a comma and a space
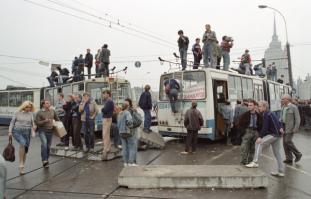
192, 176
153, 139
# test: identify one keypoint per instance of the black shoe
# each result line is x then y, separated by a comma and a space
150, 131
298, 157
45, 164
60, 144
288, 161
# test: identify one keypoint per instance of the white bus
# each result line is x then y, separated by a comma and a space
210, 87
11, 99
120, 89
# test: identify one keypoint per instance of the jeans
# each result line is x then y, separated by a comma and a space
197, 60
88, 131
89, 72
207, 54
226, 58
289, 146
276, 146
183, 57
46, 141
106, 134
104, 69
247, 69
173, 96
147, 120
76, 132
129, 149
248, 146
3, 173
114, 131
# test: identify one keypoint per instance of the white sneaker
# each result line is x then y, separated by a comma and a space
66, 148
252, 165
125, 164
279, 174
133, 165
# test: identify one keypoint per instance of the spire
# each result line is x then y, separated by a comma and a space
274, 37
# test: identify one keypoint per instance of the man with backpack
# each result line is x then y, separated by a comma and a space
107, 112
128, 123
171, 88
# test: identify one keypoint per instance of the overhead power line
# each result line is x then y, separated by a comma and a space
15, 81
98, 23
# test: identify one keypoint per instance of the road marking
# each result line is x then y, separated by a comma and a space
289, 166
223, 153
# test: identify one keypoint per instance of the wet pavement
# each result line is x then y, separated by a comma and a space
70, 178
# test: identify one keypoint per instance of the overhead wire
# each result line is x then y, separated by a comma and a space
15, 81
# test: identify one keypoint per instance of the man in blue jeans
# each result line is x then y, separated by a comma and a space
226, 44
209, 38
183, 43
44, 121
145, 103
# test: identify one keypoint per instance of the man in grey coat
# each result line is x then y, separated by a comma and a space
104, 61
291, 120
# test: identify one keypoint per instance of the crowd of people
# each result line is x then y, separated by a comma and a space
79, 64
78, 113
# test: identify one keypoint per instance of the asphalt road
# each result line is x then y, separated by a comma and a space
69, 178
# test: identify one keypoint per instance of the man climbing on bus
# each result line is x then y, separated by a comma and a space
171, 88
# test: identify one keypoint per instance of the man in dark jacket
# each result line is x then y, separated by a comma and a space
183, 43
104, 61
88, 62
193, 122
251, 121
81, 63
145, 103
270, 134
171, 88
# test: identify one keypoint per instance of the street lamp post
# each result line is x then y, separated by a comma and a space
290, 72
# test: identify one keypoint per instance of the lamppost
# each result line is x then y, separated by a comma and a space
290, 72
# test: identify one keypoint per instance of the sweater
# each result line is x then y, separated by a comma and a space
22, 120
270, 125
46, 114
108, 108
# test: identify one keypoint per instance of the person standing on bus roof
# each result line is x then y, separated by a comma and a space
251, 121
44, 121
97, 63
107, 112
183, 43
89, 62
246, 63
209, 38
145, 103
81, 68
197, 53
271, 133
21, 126
193, 121
104, 61
88, 110
171, 88
291, 121
226, 45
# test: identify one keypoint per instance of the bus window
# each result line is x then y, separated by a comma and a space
55, 96
244, 88
49, 95
95, 89
277, 91
4, 99
271, 92
193, 85
162, 93
237, 81
15, 99
250, 88
256, 93
260, 90
27, 96
66, 91
232, 88
120, 91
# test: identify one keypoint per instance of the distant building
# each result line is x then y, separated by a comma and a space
276, 54
303, 88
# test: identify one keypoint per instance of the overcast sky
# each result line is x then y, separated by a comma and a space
28, 30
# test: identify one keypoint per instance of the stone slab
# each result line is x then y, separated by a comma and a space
192, 176
153, 139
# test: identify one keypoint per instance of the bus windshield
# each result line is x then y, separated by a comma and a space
192, 84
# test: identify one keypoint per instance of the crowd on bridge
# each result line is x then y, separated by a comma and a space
214, 51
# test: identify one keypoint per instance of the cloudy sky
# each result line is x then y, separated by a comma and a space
146, 30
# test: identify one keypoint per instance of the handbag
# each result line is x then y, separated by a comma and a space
9, 151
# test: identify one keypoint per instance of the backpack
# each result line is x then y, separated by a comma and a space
9, 151
137, 118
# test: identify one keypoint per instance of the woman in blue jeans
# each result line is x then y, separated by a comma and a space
21, 126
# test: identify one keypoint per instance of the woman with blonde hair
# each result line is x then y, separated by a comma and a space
21, 126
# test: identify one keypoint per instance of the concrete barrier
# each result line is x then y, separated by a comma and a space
192, 176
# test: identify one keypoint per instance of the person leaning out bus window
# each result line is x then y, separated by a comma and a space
21, 126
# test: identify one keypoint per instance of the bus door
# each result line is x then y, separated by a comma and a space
220, 93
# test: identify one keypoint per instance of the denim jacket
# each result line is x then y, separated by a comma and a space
125, 121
